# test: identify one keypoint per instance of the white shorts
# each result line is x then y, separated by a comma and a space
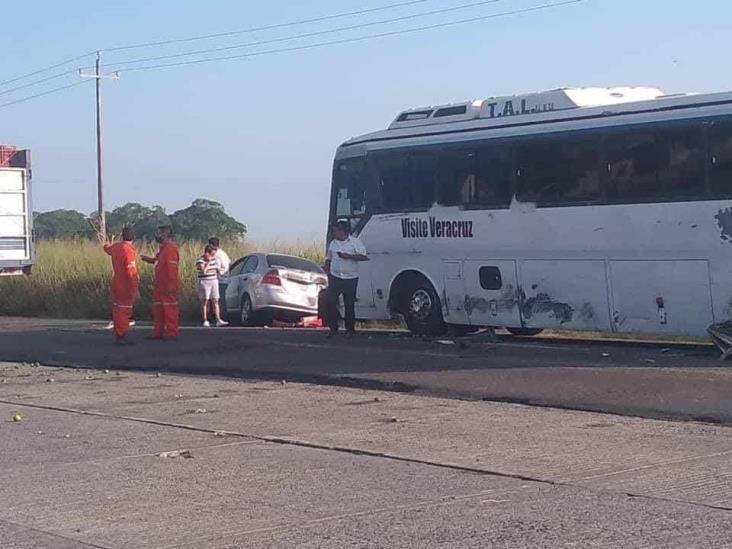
208, 289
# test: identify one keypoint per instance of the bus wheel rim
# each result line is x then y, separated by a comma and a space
420, 304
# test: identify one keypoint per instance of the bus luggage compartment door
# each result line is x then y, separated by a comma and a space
564, 293
491, 293
661, 297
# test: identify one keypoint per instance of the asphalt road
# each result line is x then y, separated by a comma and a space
656, 381
111, 459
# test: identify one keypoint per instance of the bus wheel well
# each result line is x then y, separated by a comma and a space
414, 297
399, 287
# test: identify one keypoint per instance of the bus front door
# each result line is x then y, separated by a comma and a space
491, 293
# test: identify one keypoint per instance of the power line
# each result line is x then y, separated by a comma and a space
360, 38
318, 44
46, 69
48, 92
216, 35
306, 35
40, 81
268, 27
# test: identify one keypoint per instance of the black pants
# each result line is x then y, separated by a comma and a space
222, 299
347, 288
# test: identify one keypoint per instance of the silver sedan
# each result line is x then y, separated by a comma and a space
263, 287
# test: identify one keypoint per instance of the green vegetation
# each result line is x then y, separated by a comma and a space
71, 278
199, 221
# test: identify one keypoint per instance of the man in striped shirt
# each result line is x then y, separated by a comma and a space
208, 270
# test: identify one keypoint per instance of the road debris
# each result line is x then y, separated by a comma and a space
219, 433
377, 399
105, 371
665, 350
445, 342
650, 361
157, 374
284, 382
396, 420
88, 378
176, 454
17, 417
198, 411
605, 355
50, 380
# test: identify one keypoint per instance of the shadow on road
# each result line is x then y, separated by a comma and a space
674, 381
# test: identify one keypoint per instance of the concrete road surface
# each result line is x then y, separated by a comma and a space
655, 381
124, 459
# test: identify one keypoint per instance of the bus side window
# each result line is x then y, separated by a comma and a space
560, 170
720, 151
393, 168
633, 165
422, 178
350, 188
455, 177
494, 176
681, 170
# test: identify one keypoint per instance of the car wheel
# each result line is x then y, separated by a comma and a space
247, 315
526, 332
422, 309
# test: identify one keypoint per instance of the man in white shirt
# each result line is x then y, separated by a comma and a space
223, 261
344, 254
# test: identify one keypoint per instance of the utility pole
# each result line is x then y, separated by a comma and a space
98, 76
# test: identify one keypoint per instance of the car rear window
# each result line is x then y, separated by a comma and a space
289, 262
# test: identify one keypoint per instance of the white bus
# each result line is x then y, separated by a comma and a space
584, 209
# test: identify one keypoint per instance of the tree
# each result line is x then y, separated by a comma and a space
142, 219
206, 218
61, 224
200, 221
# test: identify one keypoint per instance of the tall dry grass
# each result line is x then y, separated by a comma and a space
71, 278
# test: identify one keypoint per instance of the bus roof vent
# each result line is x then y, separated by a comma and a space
563, 99
425, 116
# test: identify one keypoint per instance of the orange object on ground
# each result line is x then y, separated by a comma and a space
165, 292
124, 284
312, 322
304, 322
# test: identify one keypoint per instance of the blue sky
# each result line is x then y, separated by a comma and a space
259, 134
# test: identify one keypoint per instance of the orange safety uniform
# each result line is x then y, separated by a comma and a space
165, 291
124, 284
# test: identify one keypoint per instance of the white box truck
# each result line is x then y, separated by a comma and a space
17, 250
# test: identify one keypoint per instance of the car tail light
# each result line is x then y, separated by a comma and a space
272, 278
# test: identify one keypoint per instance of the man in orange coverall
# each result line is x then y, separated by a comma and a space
165, 286
124, 283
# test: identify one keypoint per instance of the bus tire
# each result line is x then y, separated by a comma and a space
421, 308
525, 332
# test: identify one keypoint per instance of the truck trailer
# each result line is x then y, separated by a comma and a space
17, 250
